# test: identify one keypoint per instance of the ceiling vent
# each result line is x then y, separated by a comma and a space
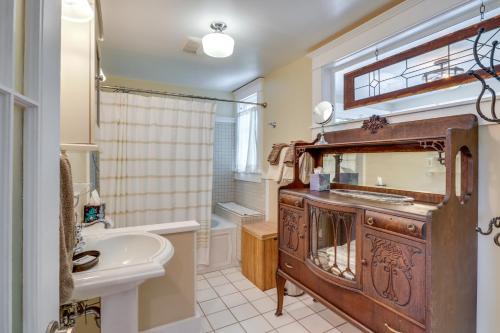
192, 45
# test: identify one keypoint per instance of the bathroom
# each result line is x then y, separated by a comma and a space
164, 166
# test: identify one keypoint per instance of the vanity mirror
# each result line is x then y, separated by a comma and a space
322, 114
410, 171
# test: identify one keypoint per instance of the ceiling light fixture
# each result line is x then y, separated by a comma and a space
79, 11
217, 44
443, 71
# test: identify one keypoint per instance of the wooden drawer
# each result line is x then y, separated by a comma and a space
292, 200
397, 224
290, 265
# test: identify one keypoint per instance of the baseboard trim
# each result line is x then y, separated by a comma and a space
188, 325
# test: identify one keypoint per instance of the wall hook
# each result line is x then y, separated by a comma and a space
494, 222
273, 124
492, 72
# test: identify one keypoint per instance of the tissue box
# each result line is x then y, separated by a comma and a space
320, 182
93, 213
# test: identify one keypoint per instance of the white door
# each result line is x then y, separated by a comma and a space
29, 164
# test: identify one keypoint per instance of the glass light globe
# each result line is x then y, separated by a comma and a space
79, 11
218, 45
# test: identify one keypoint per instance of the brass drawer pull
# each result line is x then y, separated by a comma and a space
364, 262
390, 329
412, 228
287, 265
370, 221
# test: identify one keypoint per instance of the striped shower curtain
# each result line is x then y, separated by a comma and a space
156, 161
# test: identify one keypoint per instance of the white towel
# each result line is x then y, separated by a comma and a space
275, 172
282, 174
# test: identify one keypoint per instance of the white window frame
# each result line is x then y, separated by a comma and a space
405, 23
253, 88
40, 102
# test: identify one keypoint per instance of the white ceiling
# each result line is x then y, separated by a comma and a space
144, 39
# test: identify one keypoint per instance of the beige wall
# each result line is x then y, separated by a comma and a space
223, 109
488, 306
171, 297
287, 91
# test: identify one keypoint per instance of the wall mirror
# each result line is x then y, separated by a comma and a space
411, 171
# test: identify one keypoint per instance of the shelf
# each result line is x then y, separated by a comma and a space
82, 147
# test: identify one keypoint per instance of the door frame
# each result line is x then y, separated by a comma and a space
40, 101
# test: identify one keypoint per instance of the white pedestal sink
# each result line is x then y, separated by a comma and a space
127, 259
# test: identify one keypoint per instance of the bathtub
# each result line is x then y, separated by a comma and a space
222, 245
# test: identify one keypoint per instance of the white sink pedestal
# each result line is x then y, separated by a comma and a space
128, 258
119, 312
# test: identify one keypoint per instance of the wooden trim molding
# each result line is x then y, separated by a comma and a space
349, 96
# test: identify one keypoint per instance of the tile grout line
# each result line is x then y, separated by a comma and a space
250, 303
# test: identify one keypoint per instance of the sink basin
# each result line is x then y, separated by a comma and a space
127, 259
375, 196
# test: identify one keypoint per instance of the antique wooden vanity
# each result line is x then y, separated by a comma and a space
385, 265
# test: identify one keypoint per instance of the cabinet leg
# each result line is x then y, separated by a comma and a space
280, 287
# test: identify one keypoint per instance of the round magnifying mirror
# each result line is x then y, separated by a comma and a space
322, 114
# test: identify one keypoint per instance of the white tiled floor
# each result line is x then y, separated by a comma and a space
232, 304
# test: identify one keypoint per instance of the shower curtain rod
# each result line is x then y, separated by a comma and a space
166, 93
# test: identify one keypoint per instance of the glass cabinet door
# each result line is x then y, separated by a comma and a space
333, 241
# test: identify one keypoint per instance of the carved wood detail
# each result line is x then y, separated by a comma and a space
374, 123
390, 262
291, 228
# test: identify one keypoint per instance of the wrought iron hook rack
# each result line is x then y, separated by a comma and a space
494, 222
492, 72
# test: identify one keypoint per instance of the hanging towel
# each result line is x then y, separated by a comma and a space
290, 157
275, 172
306, 167
66, 231
274, 155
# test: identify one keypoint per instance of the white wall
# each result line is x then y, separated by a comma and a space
395, 21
